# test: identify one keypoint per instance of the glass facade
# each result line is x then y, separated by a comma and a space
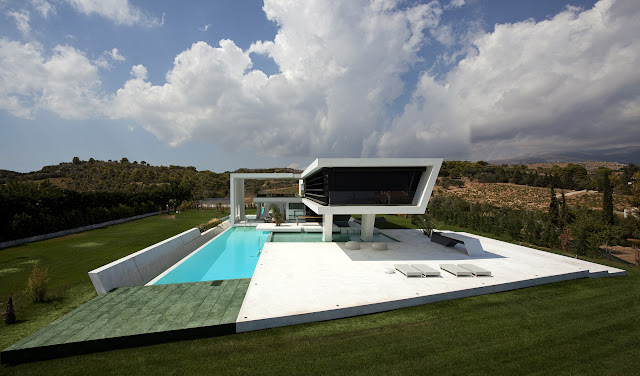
364, 186
296, 209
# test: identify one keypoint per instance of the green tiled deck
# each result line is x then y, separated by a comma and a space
135, 316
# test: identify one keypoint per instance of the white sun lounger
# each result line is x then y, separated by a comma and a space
426, 270
455, 270
476, 270
408, 270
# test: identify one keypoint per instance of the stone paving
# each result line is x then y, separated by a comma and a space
133, 316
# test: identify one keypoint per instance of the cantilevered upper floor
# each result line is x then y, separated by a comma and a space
369, 185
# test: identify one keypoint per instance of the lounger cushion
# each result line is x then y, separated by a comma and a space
455, 270
476, 270
426, 270
408, 270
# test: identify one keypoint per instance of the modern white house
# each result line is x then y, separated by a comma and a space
331, 187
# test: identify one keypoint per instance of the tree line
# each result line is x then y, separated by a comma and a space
578, 230
28, 208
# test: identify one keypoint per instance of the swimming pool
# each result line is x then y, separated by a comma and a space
231, 255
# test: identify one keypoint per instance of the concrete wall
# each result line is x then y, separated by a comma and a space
141, 267
37, 238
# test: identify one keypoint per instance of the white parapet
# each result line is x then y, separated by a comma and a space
141, 267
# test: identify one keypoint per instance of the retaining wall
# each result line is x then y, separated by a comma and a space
141, 267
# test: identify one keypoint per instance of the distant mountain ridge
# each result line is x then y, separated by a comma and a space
630, 154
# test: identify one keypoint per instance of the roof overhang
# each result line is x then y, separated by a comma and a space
321, 163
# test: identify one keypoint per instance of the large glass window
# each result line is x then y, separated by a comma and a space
296, 209
364, 186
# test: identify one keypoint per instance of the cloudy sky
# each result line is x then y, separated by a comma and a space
226, 84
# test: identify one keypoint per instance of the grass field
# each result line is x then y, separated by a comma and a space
576, 327
68, 260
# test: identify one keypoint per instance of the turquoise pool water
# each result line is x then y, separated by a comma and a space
231, 255
317, 237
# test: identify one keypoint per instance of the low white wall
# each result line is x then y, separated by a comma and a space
141, 267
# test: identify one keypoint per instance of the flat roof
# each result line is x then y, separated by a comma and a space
265, 175
320, 163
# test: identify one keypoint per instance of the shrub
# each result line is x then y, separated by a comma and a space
278, 217
424, 222
10, 315
184, 206
37, 283
209, 225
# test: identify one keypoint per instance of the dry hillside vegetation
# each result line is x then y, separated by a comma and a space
590, 166
525, 197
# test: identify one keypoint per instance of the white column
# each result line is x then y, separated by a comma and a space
240, 199
232, 201
327, 227
366, 231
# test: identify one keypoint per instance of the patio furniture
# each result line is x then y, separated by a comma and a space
352, 245
408, 270
440, 238
456, 270
379, 246
426, 270
476, 270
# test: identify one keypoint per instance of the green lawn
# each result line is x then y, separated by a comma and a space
68, 260
576, 327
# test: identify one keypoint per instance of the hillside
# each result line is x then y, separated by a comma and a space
528, 198
123, 175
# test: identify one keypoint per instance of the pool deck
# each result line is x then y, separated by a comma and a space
137, 316
298, 283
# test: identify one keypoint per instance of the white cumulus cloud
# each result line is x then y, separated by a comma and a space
66, 82
108, 57
118, 11
570, 82
339, 73
115, 55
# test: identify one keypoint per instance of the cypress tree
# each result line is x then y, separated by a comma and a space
554, 214
564, 210
607, 199
10, 315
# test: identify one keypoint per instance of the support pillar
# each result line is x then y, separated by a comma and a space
240, 199
232, 201
236, 202
366, 231
327, 227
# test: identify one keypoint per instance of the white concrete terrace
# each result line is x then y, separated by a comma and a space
296, 283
